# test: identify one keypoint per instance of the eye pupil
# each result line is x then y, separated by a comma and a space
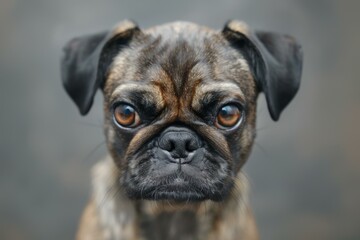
126, 115
228, 116
128, 110
226, 111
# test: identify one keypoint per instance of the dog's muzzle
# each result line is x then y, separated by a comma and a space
177, 165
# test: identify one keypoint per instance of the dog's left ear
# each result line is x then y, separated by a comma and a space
86, 61
275, 61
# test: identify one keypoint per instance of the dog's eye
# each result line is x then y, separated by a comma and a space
228, 116
126, 116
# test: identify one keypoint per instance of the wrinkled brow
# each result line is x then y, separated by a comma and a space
138, 93
215, 92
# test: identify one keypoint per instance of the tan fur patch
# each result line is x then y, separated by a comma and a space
239, 26
124, 26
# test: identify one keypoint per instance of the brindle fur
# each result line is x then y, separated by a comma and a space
176, 70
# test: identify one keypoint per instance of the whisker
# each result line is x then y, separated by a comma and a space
262, 149
90, 124
265, 127
113, 190
107, 194
93, 151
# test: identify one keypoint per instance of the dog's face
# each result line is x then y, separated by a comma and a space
175, 104
180, 101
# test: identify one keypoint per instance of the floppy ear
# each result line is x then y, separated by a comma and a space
86, 61
275, 61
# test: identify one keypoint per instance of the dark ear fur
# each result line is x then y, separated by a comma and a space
86, 60
275, 60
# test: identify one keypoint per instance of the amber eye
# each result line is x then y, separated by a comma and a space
126, 116
228, 116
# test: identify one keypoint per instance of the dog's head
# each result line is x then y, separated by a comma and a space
180, 100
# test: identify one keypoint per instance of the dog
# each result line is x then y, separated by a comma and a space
180, 122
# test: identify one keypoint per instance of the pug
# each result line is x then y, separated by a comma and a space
179, 122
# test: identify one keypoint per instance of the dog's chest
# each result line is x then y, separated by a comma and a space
180, 225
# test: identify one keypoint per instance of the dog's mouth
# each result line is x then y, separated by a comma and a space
179, 185
176, 187
175, 192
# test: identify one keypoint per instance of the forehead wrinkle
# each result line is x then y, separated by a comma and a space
178, 61
199, 70
121, 89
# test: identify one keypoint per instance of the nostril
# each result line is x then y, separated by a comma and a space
191, 145
172, 146
167, 144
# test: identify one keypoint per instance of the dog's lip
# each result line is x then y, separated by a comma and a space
175, 174
177, 191
178, 182
179, 196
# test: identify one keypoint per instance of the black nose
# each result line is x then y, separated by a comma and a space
180, 144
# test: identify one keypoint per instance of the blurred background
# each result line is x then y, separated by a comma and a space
304, 170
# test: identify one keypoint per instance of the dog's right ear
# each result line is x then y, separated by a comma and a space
86, 61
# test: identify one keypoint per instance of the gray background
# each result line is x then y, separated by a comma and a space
304, 170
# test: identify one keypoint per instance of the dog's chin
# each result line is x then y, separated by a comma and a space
174, 193
179, 190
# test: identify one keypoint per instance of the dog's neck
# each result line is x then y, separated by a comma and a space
122, 218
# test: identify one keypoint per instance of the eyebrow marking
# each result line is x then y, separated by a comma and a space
154, 90
124, 87
211, 92
218, 86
